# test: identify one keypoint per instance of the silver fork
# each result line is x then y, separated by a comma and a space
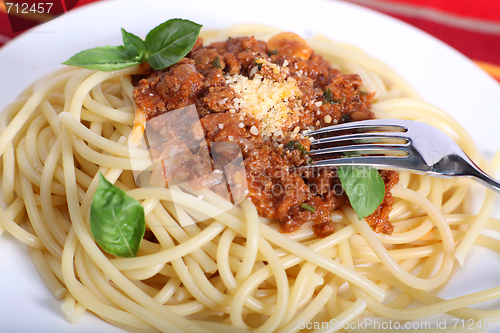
393, 144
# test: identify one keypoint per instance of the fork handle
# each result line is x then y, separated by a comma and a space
483, 177
461, 165
488, 181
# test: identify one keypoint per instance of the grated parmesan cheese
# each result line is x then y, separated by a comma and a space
254, 130
267, 100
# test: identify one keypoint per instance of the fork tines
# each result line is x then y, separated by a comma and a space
394, 144
371, 137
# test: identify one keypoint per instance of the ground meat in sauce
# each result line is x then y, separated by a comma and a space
327, 97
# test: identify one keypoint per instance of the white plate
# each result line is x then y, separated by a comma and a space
441, 75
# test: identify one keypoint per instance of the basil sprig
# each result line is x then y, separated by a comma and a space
170, 42
117, 220
364, 188
164, 46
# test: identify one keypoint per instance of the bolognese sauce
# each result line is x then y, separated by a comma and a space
261, 96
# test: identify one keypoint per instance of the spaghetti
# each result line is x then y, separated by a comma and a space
231, 271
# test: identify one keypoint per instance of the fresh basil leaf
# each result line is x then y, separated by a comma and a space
170, 42
117, 220
164, 46
135, 46
364, 187
106, 58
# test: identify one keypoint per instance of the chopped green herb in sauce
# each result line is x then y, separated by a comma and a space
310, 208
216, 63
328, 97
295, 145
259, 65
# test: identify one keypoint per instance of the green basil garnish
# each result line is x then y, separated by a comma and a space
106, 58
135, 46
170, 42
117, 220
164, 46
364, 187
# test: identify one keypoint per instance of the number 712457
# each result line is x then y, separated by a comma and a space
26, 8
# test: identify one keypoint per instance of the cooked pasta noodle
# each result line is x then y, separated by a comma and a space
232, 271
